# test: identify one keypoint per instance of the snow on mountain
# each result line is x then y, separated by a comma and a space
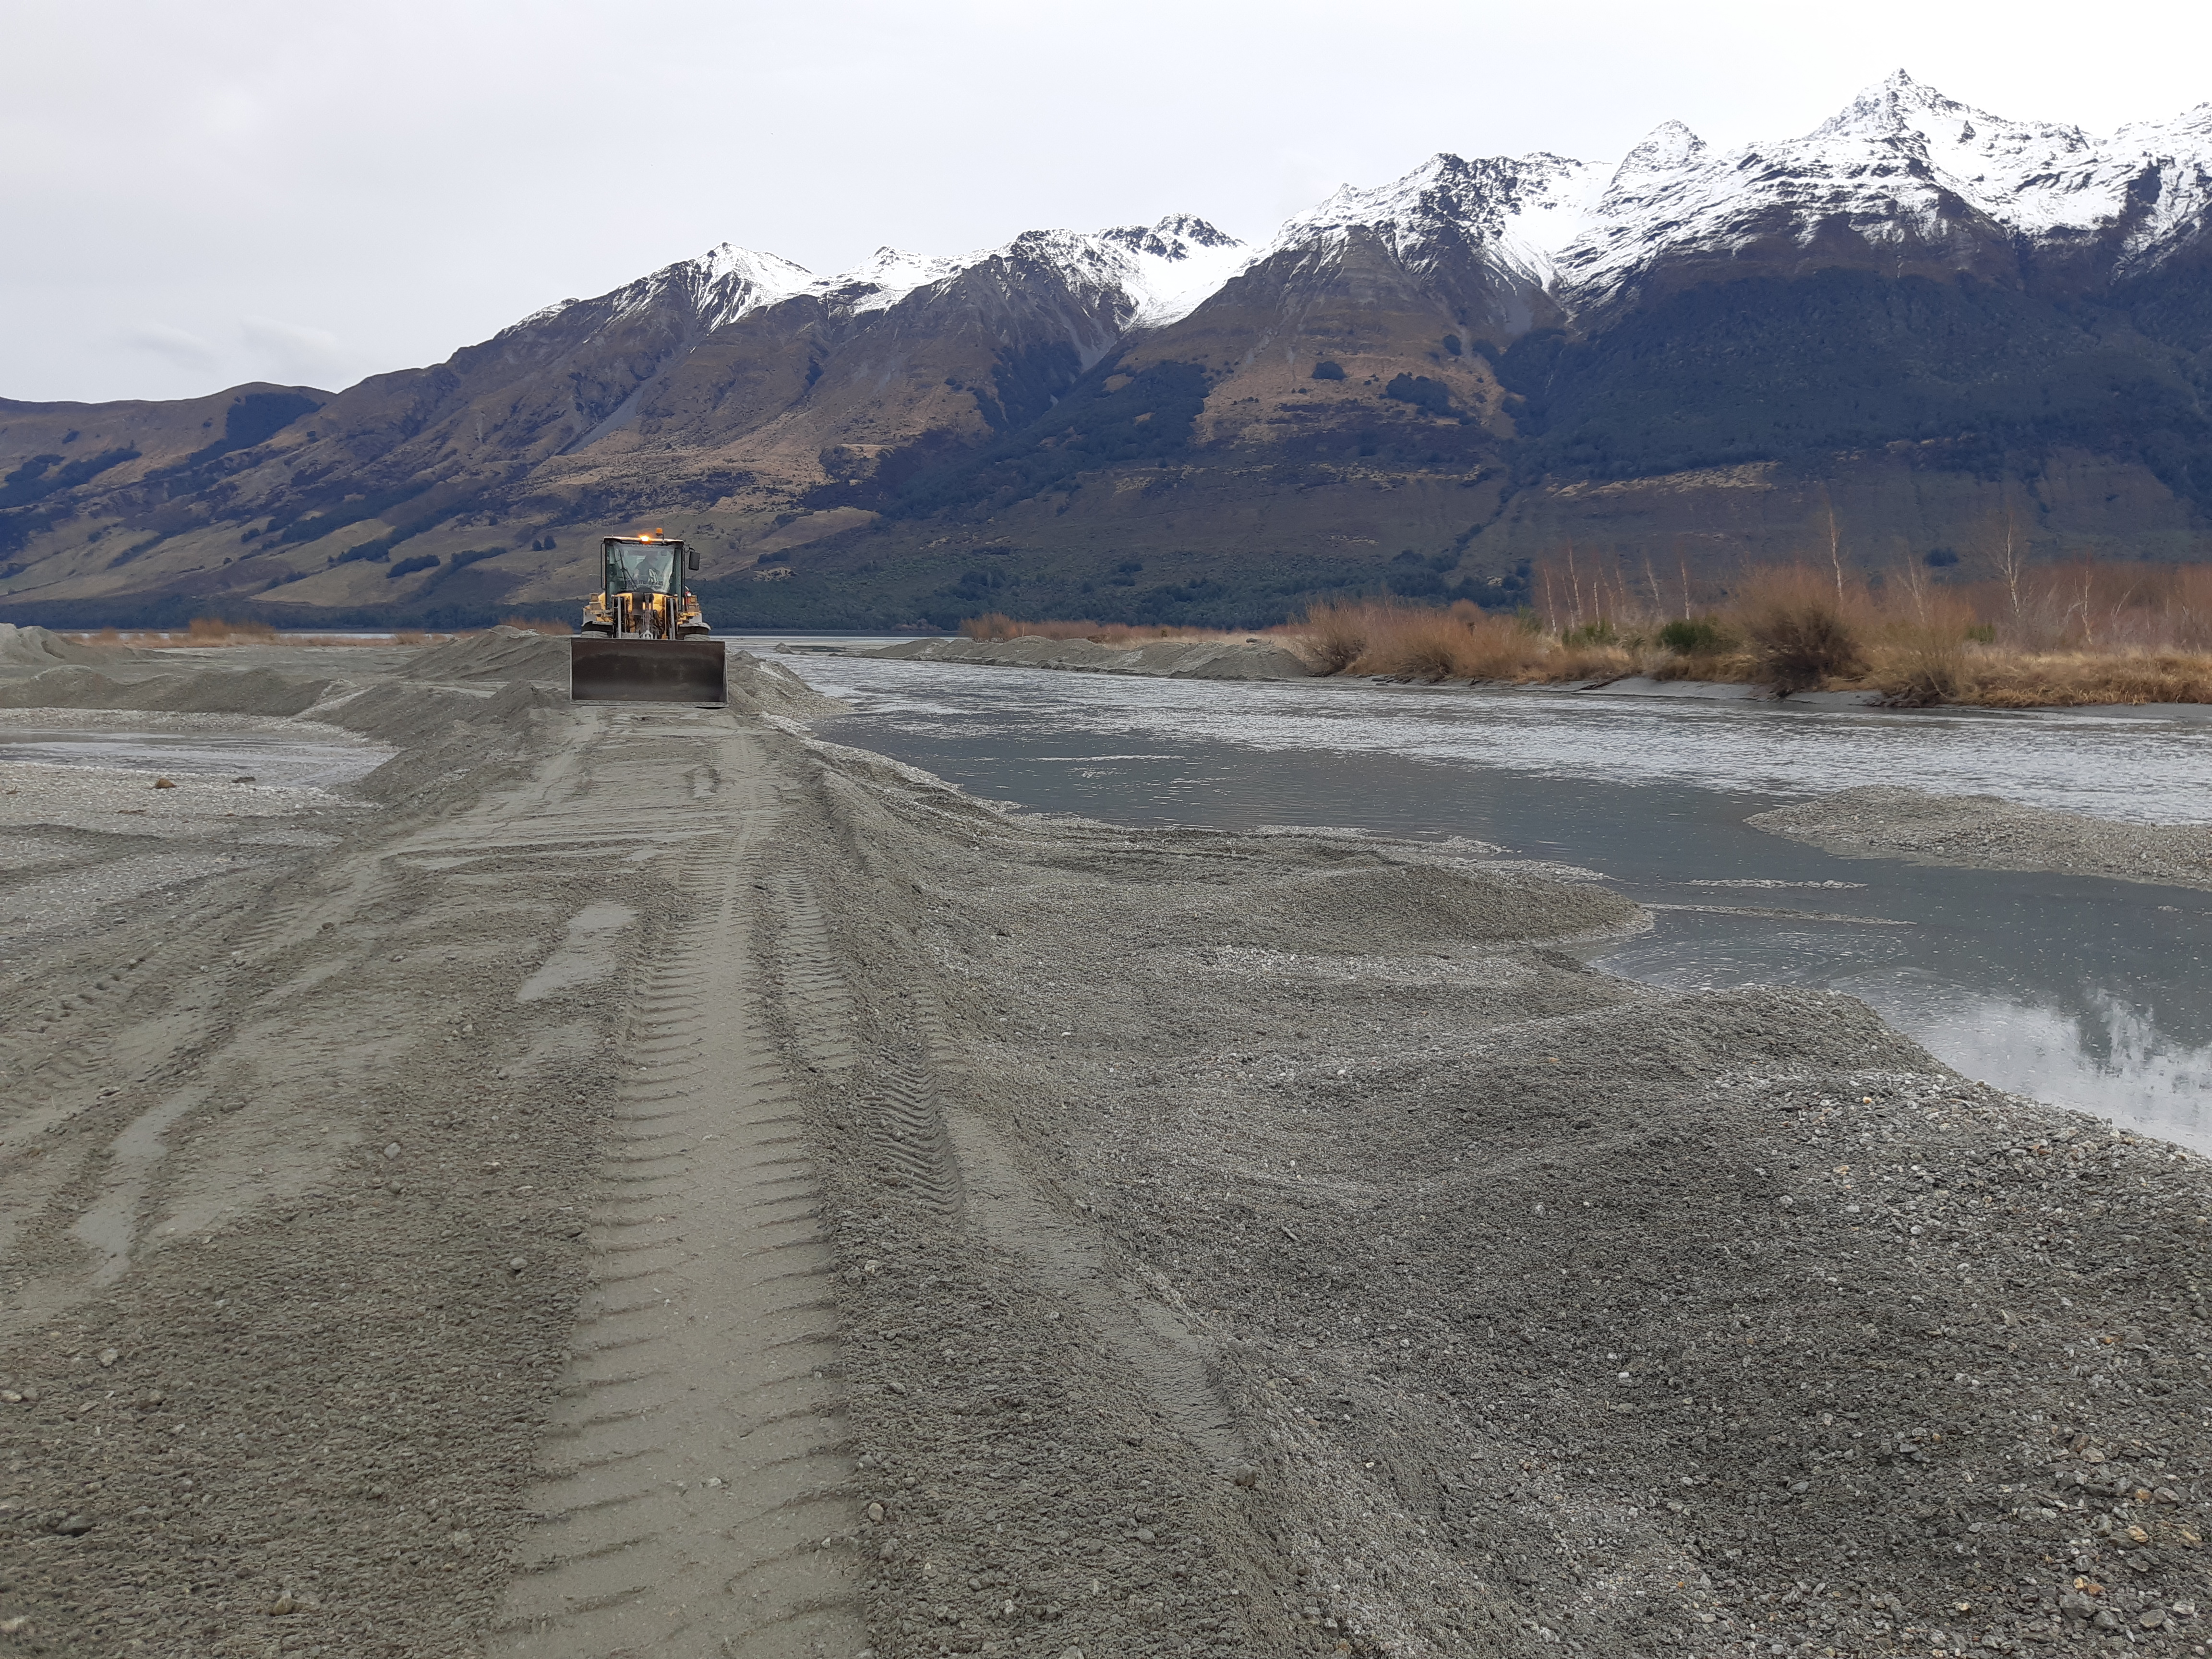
1145, 276
719, 287
1901, 165
2176, 157
1519, 210
2034, 176
885, 278
1170, 269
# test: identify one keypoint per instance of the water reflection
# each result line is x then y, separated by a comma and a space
2111, 1058
2090, 991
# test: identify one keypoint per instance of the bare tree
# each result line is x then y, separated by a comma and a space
2119, 607
1913, 575
1835, 543
2009, 558
2088, 584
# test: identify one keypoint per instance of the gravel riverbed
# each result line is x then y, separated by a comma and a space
1983, 830
1142, 1243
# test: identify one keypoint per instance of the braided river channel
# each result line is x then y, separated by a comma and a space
2085, 991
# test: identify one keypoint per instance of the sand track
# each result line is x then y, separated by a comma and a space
693, 1475
533, 1001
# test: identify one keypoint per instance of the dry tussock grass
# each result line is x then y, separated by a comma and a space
2008, 679
2067, 634
1396, 640
1335, 634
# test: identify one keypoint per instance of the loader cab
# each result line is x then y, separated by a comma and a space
635, 565
643, 593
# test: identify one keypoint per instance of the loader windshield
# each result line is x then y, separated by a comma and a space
632, 569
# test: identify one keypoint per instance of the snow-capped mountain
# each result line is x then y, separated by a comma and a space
1902, 172
1905, 175
1517, 211
1915, 267
1146, 276
1902, 178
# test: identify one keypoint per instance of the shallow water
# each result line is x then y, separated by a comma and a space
2092, 992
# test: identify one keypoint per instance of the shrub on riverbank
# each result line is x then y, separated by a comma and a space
2081, 633
1802, 631
1400, 640
2071, 634
1336, 632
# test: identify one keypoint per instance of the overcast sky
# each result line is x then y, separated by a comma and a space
194, 196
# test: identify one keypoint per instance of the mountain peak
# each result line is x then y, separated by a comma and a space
1194, 230
1667, 146
1176, 236
1893, 106
1953, 134
1481, 196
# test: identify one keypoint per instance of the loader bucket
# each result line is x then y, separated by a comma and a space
602, 669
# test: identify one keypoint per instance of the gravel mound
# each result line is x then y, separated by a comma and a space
1880, 821
200, 691
499, 654
1552, 1314
1175, 659
757, 686
38, 648
1406, 907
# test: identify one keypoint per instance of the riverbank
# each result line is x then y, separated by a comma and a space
1267, 659
1176, 659
1990, 833
969, 1231
1277, 658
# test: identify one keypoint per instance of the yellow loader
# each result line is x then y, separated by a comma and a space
643, 639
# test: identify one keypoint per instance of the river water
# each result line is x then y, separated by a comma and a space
2085, 991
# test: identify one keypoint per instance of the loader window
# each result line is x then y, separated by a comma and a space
641, 570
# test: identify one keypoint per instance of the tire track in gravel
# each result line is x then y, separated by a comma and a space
816, 1000
1146, 1331
892, 1089
695, 1470
1011, 1209
950, 1158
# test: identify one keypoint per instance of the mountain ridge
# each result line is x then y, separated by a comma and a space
1933, 315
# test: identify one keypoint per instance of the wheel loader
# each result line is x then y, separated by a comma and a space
642, 638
